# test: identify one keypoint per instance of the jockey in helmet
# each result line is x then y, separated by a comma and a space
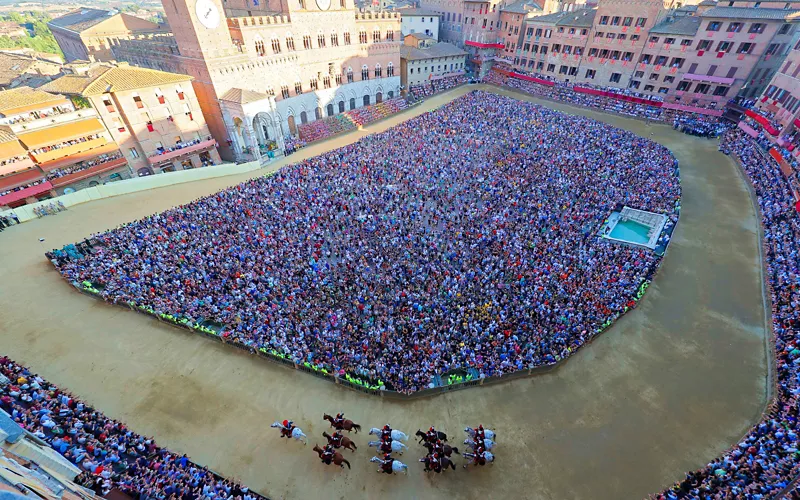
432, 435
436, 464
336, 439
327, 455
387, 463
386, 431
288, 427
338, 420
479, 432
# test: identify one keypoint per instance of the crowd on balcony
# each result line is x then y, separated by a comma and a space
38, 115
456, 239
20, 188
161, 150
109, 454
79, 167
16, 159
65, 144
765, 461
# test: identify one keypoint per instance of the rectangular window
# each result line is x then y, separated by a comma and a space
590, 74
724, 46
721, 90
734, 27
615, 77
628, 21
677, 62
757, 28
138, 101
551, 67
711, 70
705, 45
648, 88
133, 152
692, 68
107, 103
702, 88
640, 22
731, 72
663, 90
285, 91
745, 48
669, 79
683, 86
604, 20
615, 21
713, 26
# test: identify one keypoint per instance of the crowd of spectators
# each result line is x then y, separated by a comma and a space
64, 144
79, 167
108, 453
466, 237
765, 461
428, 88
161, 150
20, 188
698, 125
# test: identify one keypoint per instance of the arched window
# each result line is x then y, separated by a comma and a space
329, 108
306, 41
347, 38
276, 45
366, 100
390, 69
303, 118
343, 3
352, 103
376, 36
362, 36
290, 43
378, 98
364, 72
334, 39
390, 94
318, 113
341, 106
320, 40
390, 36
378, 71
260, 48
350, 75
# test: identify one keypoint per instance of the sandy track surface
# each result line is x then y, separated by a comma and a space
666, 389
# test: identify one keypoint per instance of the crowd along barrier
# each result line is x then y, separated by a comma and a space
354, 383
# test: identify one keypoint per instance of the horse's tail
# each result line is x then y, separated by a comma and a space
353, 444
346, 463
452, 464
402, 446
455, 450
356, 428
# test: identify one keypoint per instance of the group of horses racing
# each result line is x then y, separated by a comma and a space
437, 459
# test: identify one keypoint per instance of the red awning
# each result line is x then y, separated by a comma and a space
26, 193
485, 45
762, 121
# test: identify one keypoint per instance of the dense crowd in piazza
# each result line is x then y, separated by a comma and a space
453, 240
109, 454
766, 460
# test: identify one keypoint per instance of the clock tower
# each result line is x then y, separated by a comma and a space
200, 28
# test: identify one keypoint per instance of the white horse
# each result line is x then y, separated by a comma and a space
486, 456
396, 435
397, 466
486, 432
397, 446
297, 433
487, 443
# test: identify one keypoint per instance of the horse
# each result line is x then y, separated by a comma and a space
394, 446
346, 425
346, 443
447, 450
297, 433
444, 461
486, 433
487, 458
396, 435
397, 466
338, 459
424, 437
487, 443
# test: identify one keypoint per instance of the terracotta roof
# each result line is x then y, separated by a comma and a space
114, 79
13, 65
520, 7
582, 18
441, 49
420, 36
22, 99
418, 12
750, 13
82, 19
687, 25
240, 96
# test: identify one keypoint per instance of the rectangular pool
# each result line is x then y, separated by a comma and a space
631, 231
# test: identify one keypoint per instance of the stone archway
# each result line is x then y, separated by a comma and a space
378, 98
266, 131
292, 125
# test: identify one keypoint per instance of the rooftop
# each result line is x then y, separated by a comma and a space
686, 25
118, 78
582, 18
12, 65
750, 13
25, 99
82, 19
241, 96
420, 36
441, 49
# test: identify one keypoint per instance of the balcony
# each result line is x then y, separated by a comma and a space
89, 172
55, 119
79, 157
61, 133
186, 150
32, 191
481, 45
16, 166
20, 179
64, 152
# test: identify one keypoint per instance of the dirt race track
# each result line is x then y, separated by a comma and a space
669, 387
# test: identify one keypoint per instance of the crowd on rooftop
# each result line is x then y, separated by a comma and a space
765, 461
108, 453
456, 239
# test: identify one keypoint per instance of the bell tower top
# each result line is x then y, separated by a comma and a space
200, 28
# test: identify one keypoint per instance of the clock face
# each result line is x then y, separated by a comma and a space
207, 13
324, 4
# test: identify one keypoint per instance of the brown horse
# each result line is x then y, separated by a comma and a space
338, 459
346, 443
347, 425
446, 448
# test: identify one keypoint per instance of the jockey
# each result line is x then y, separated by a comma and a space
288, 427
327, 455
432, 435
436, 464
479, 432
386, 447
338, 421
386, 432
387, 463
336, 439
